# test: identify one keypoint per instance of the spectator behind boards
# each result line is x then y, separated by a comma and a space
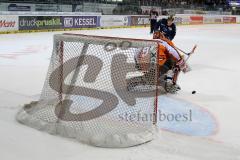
153, 19
167, 27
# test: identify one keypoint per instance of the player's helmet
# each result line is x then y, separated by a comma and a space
146, 58
170, 18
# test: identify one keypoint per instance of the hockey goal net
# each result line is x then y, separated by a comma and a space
88, 93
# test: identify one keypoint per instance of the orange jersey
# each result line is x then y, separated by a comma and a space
166, 49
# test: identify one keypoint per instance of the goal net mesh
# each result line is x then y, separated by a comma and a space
94, 93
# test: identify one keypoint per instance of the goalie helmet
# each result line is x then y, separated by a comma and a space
145, 58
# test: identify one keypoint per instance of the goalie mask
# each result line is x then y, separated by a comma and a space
145, 58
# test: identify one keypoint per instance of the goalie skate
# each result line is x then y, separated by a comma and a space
172, 88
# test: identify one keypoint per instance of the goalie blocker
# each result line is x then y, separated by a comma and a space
170, 63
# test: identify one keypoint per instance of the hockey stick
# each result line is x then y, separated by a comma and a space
190, 53
160, 35
187, 53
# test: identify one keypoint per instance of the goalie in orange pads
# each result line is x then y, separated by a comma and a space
168, 59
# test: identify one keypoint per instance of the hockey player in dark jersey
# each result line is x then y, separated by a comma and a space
166, 27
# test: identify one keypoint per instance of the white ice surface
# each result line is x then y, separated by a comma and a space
215, 74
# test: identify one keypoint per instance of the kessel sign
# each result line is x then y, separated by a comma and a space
79, 21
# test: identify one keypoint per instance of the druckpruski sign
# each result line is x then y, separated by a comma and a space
39, 22
79, 21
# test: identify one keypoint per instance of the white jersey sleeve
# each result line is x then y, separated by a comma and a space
170, 49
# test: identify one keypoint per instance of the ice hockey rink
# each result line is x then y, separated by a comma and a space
213, 132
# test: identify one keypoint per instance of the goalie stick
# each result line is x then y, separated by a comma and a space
187, 53
190, 53
160, 35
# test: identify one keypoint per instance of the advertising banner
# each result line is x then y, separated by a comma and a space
185, 20
178, 20
218, 20
196, 19
238, 19
39, 22
109, 21
79, 21
8, 23
229, 19
212, 19
139, 20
